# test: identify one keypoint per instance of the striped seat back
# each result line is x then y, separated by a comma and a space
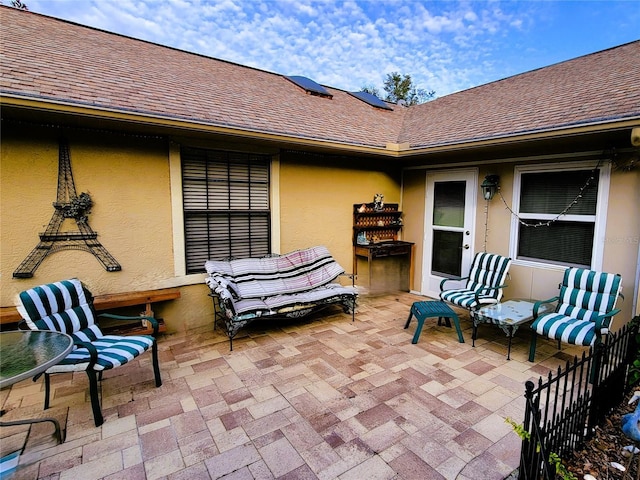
294, 272
60, 306
488, 270
586, 294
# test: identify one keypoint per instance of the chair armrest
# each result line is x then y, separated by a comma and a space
480, 290
538, 304
456, 279
600, 320
352, 276
124, 318
92, 352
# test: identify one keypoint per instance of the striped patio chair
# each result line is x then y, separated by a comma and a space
67, 306
585, 307
485, 283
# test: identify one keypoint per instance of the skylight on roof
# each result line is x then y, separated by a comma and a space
371, 99
309, 86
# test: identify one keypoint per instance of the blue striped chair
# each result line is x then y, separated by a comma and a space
485, 283
585, 307
67, 306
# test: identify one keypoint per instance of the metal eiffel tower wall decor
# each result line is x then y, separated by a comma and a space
68, 205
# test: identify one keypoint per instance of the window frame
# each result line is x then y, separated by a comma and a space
599, 220
181, 277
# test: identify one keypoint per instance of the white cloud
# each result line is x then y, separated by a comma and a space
446, 46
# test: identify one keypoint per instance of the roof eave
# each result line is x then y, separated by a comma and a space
601, 125
165, 121
392, 149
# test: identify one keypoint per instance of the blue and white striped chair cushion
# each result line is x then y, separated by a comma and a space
113, 351
488, 271
63, 307
585, 295
566, 329
466, 298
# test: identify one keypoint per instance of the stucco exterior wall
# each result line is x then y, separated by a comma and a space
128, 180
316, 203
621, 238
413, 207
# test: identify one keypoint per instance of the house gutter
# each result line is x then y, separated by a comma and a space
554, 132
393, 150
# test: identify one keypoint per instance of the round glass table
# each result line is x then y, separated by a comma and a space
26, 353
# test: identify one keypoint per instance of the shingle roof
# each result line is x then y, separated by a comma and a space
54, 60
594, 88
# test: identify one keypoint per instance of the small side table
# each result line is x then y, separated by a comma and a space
508, 316
432, 309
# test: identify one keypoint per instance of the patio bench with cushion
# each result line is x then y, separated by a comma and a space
291, 285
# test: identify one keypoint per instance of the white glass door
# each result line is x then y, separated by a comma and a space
449, 227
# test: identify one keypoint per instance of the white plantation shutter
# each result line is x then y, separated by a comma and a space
226, 205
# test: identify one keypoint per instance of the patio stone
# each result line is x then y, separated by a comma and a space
318, 398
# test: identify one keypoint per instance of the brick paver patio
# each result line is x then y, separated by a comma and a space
321, 398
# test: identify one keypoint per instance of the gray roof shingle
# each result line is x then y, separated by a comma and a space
54, 60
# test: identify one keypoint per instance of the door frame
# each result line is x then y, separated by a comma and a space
430, 283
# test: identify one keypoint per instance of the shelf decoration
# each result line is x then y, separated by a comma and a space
378, 203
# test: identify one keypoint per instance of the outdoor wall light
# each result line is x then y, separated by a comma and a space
490, 186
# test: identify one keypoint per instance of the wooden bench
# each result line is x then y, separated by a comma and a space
110, 301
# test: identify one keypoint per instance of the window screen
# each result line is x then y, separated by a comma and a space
542, 236
226, 205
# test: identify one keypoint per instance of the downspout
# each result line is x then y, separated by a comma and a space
635, 308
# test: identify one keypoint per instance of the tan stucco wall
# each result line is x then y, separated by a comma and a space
128, 180
620, 241
316, 204
413, 207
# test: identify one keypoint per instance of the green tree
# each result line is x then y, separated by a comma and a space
19, 4
401, 87
370, 89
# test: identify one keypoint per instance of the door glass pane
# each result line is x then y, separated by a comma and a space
448, 204
446, 259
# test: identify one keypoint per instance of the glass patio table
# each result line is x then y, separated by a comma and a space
509, 316
26, 353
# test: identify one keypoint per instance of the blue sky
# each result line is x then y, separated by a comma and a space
445, 46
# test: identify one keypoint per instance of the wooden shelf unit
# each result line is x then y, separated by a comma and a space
380, 228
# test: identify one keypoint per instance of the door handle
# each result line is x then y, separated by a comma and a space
466, 247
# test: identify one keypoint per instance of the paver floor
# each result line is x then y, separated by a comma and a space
315, 398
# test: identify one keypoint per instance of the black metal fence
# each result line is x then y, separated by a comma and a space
563, 410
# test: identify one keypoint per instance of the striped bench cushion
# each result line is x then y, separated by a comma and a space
298, 271
63, 307
273, 305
